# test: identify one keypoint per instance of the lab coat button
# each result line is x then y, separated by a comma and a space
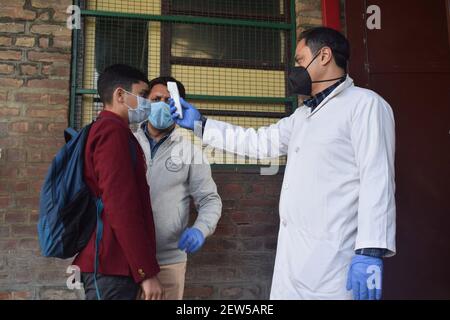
286, 185
284, 223
297, 149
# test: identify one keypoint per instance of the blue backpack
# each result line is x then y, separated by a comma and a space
69, 211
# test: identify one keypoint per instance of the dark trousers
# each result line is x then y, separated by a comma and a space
110, 287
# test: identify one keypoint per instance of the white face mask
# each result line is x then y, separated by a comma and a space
141, 112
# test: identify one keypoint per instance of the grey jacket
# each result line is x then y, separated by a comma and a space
179, 170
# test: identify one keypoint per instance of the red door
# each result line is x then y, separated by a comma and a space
407, 62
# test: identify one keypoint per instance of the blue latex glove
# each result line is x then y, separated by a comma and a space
190, 114
191, 240
364, 277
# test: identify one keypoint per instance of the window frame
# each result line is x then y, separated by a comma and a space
166, 50
289, 24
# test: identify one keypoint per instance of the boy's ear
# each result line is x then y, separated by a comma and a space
118, 95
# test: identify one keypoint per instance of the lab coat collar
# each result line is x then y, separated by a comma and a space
344, 85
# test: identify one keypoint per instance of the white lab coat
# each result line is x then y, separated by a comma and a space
338, 189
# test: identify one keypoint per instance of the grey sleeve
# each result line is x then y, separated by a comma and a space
203, 190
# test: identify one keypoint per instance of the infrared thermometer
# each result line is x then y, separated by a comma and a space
175, 95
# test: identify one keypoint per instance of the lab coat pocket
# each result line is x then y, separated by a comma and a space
323, 268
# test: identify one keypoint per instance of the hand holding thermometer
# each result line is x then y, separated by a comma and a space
175, 95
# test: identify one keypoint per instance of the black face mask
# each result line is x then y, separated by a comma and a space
299, 80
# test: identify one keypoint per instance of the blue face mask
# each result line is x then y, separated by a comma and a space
160, 117
141, 112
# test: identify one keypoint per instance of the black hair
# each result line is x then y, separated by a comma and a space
319, 37
118, 75
164, 79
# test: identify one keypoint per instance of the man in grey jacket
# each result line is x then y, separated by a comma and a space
176, 171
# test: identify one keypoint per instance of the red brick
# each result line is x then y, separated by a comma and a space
10, 82
8, 171
231, 293
39, 127
270, 243
3, 129
49, 275
10, 55
252, 244
63, 42
28, 201
36, 155
14, 3
42, 141
21, 295
5, 201
15, 10
22, 276
9, 112
5, 41
24, 230
257, 230
10, 244
6, 68
59, 99
50, 4
56, 30
46, 113
225, 230
21, 186
12, 27
233, 188
35, 170
48, 56
252, 217
4, 232
198, 292
43, 42
57, 127
261, 203
16, 155
21, 127
32, 244
3, 96
56, 70
16, 218
35, 217
31, 97
60, 15
44, 16
25, 41
28, 70
5, 296
48, 84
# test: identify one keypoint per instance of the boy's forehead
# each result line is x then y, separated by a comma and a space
140, 86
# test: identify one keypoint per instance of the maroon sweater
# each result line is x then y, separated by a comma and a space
128, 244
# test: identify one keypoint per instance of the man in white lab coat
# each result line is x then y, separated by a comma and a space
337, 205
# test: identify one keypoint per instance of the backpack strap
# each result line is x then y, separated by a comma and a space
98, 238
69, 133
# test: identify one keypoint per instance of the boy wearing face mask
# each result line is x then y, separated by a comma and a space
176, 171
114, 170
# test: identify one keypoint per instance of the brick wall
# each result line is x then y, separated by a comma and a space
34, 89
236, 263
